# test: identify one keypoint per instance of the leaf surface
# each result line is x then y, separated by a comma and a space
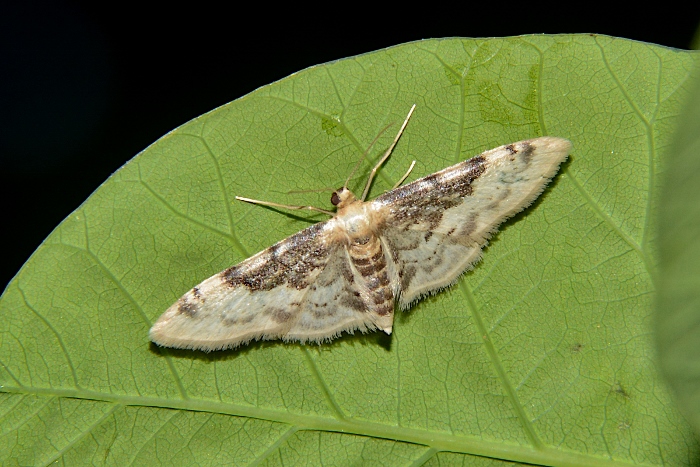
678, 304
542, 354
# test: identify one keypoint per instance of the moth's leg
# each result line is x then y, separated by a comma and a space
408, 172
284, 206
386, 154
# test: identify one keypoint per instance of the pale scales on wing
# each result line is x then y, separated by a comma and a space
346, 273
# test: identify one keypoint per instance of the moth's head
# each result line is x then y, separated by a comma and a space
342, 197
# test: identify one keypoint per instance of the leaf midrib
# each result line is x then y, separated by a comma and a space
440, 441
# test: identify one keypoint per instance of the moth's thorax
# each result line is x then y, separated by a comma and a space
355, 220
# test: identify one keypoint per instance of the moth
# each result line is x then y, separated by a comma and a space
347, 273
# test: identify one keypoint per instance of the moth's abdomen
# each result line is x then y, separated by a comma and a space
369, 261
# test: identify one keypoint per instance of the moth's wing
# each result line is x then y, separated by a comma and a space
435, 227
333, 304
271, 295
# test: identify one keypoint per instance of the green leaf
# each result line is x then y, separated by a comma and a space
678, 305
542, 354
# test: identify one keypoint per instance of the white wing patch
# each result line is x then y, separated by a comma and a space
346, 274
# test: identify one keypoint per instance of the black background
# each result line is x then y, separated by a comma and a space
85, 87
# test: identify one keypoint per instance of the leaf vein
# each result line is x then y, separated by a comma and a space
608, 220
137, 307
83, 434
651, 143
274, 446
322, 385
440, 441
55, 333
26, 416
500, 370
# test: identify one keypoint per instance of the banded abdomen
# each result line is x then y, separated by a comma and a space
368, 258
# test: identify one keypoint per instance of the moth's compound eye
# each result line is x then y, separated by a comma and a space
335, 199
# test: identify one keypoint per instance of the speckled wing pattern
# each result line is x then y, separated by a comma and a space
345, 274
298, 289
436, 227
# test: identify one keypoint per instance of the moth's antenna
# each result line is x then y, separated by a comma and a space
357, 166
386, 154
284, 206
405, 176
